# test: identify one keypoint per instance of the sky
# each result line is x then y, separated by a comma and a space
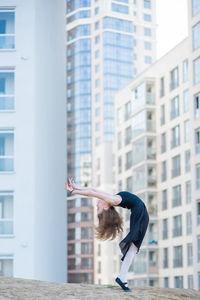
172, 24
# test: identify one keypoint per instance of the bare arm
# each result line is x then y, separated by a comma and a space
93, 192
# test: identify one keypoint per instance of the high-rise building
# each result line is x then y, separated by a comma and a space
32, 140
157, 155
108, 43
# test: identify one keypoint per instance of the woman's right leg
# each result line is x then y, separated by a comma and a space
127, 262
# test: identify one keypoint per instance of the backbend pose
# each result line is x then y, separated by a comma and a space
110, 222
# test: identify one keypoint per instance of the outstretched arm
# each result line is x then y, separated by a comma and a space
93, 192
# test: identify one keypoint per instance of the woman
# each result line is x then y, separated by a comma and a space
110, 222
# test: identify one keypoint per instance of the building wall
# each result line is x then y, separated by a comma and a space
38, 115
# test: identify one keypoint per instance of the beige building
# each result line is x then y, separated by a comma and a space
157, 156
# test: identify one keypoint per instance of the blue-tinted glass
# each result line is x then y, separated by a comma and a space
147, 59
120, 8
78, 31
147, 4
147, 18
118, 53
75, 4
79, 15
147, 31
82, 45
147, 45
118, 39
124, 1
195, 7
196, 36
118, 24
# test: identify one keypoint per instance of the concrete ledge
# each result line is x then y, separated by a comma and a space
25, 289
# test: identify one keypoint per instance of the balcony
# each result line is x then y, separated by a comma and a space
150, 125
6, 226
151, 153
6, 163
150, 98
6, 102
7, 41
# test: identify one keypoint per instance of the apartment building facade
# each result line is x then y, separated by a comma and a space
160, 161
108, 43
32, 140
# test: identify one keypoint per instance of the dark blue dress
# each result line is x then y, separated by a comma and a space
139, 220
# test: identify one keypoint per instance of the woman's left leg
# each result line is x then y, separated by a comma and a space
127, 262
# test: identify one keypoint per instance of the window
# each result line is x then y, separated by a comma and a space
166, 282
176, 195
185, 70
176, 166
178, 281
177, 225
97, 25
69, 66
186, 101
178, 257
164, 171
69, 93
97, 141
197, 106
127, 111
196, 36
174, 78
97, 128
97, 68
164, 200
162, 87
6, 265
6, 150
147, 31
187, 131
198, 176
147, 59
97, 53
175, 136
197, 141
97, 39
174, 107
165, 258
189, 254
7, 29
119, 116
97, 83
195, 7
128, 135
190, 281
147, 4
147, 46
198, 211
165, 229
97, 111
120, 8
163, 142
188, 223
162, 118
97, 97
96, 11
7, 97
6, 213
196, 70
187, 161
188, 192
119, 164
147, 18
129, 184
119, 140
128, 164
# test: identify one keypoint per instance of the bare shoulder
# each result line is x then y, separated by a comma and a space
117, 199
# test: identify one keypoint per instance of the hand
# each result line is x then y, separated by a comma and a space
69, 186
74, 186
